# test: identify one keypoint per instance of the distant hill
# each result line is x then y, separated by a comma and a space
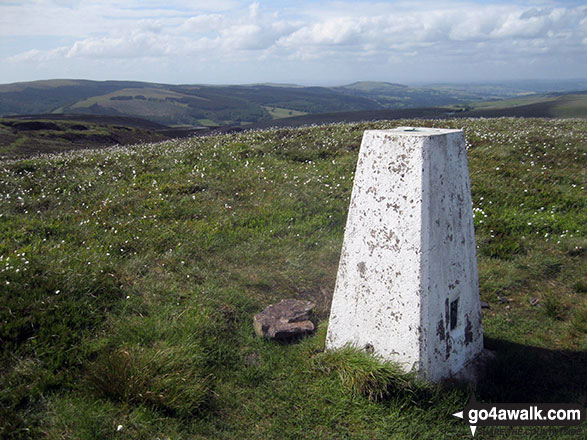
560, 105
243, 105
553, 105
511, 89
194, 105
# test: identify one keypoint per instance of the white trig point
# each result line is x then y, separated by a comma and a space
407, 287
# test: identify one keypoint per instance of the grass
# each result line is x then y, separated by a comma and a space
129, 277
166, 379
207, 123
277, 112
513, 102
570, 105
366, 376
51, 136
141, 92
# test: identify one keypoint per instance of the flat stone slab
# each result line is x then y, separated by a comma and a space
288, 319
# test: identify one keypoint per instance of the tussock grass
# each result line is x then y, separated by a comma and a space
163, 378
362, 374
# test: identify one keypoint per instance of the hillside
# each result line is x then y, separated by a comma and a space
238, 105
571, 105
55, 132
554, 105
130, 276
173, 104
52, 133
398, 96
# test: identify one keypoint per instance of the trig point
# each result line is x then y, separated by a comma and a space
407, 287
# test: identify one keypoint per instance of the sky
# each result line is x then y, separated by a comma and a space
304, 42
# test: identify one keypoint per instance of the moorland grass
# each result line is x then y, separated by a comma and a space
129, 278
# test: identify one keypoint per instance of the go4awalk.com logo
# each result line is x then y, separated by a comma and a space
521, 414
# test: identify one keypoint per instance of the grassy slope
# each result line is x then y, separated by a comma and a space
19, 137
279, 113
514, 102
222, 105
130, 277
572, 105
47, 96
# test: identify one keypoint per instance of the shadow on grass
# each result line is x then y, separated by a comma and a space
526, 374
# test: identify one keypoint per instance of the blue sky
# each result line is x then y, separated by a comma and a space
305, 42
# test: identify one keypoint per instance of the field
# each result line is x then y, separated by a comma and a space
130, 276
278, 113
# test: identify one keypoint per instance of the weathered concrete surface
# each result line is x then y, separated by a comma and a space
288, 319
407, 282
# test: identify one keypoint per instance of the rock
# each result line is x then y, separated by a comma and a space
485, 305
288, 319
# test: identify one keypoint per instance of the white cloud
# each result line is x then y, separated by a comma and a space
203, 23
334, 31
254, 10
328, 32
243, 36
35, 55
128, 46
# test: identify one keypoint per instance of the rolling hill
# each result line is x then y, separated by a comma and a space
174, 104
234, 105
554, 105
55, 132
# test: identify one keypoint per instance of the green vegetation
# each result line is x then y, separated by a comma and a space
278, 113
241, 105
172, 104
21, 137
129, 277
398, 96
207, 123
571, 105
513, 102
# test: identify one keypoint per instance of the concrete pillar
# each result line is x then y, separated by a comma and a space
407, 287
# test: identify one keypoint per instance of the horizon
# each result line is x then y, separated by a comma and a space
235, 42
280, 84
